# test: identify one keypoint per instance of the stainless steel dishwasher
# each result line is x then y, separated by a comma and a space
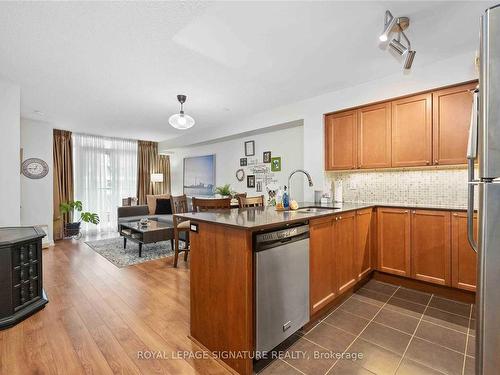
282, 284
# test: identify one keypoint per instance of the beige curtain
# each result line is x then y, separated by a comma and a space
148, 161
163, 166
63, 177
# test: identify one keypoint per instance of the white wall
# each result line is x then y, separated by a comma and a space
10, 197
36, 195
286, 143
446, 72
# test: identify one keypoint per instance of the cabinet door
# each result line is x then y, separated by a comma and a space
430, 246
394, 241
463, 257
374, 136
323, 286
344, 248
362, 257
340, 141
451, 121
412, 131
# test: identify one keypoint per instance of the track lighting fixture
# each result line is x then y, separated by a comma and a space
405, 51
181, 120
398, 25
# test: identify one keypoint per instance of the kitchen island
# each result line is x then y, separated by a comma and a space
223, 270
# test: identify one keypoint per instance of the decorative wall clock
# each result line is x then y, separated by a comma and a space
35, 168
240, 174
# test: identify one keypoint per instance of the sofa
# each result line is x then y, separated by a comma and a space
135, 213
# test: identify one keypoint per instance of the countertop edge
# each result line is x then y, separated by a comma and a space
190, 215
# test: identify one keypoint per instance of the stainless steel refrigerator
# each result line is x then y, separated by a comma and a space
484, 147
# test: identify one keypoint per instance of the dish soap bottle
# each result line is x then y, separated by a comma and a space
286, 200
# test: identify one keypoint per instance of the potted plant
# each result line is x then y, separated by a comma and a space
224, 191
72, 228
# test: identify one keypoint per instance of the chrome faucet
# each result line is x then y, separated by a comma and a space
309, 179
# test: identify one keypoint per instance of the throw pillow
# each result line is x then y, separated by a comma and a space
151, 201
163, 207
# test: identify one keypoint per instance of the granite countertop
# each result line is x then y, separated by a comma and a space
265, 217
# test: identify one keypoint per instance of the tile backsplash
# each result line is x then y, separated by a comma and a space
431, 186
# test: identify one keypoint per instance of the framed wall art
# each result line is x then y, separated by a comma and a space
276, 164
250, 181
249, 148
199, 175
266, 157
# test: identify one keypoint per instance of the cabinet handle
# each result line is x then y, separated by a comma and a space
414, 212
427, 162
436, 161
406, 211
455, 214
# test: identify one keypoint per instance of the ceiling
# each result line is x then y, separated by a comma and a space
115, 68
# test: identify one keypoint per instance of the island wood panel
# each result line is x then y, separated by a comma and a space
451, 109
322, 279
431, 246
344, 248
222, 291
363, 247
340, 140
412, 131
463, 257
374, 136
393, 235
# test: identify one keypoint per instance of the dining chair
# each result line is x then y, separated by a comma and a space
245, 202
180, 206
207, 204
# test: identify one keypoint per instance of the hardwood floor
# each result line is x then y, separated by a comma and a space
105, 320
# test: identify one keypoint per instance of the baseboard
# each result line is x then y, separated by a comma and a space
440, 290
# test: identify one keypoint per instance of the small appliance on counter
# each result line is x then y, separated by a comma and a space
337, 191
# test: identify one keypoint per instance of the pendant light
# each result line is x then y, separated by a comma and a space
181, 120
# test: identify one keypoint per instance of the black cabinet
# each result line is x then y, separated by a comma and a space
21, 284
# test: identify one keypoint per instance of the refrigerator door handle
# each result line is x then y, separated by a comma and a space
471, 157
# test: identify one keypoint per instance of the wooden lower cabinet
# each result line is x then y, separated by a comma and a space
393, 235
463, 257
431, 246
363, 247
322, 280
344, 240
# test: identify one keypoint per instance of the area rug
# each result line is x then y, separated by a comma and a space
112, 249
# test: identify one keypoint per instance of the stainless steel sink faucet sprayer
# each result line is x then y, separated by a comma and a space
309, 179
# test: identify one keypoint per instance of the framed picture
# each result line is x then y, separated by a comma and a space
199, 176
259, 187
251, 181
276, 164
249, 148
243, 162
266, 158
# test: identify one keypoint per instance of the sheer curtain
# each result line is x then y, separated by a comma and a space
105, 171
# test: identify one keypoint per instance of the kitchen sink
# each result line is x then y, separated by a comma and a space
315, 210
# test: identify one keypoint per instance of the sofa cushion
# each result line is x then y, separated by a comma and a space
151, 201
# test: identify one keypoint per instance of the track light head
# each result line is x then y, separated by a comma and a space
393, 25
397, 46
409, 56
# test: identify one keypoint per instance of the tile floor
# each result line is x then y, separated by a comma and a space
397, 330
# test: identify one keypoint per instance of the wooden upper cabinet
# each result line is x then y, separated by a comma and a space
374, 136
431, 246
412, 131
393, 241
344, 238
463, 257
340, 141
362, 256
451, 120
322, 278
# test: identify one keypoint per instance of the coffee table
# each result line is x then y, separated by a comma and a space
155, 231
